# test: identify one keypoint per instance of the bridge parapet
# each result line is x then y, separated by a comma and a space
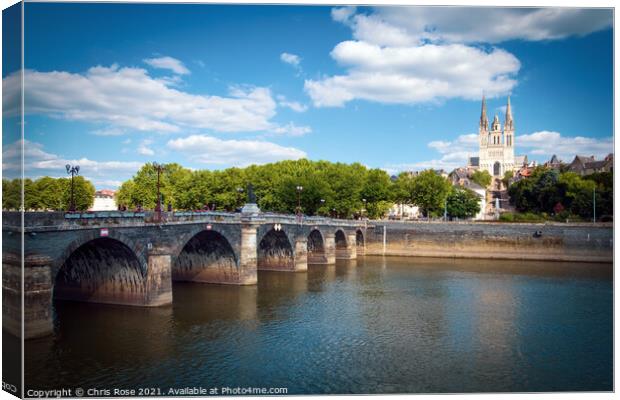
44, 221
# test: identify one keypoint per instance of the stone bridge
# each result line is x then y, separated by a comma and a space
133, 258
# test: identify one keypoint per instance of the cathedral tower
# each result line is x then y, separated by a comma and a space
483, 127
496, 152
509, 127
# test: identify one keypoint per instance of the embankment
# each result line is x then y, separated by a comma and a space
516, 241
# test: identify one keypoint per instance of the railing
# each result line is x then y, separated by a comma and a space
50, 220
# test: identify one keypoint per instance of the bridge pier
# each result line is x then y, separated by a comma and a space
38, 290
248, 260
330, 248
158, 290
301, 254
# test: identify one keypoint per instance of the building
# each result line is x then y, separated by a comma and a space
584, 165
496, 145
554, 163
104, 200
404, 211
461, 177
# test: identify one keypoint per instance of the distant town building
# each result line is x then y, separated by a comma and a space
104, 200
461, 177
584, 165
554, 163
404, 211
496, 146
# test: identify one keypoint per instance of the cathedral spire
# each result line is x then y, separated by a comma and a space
484, 121
508, 123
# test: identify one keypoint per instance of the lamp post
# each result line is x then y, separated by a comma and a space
159, 168
363, 209
322, 203
299, 189
72, 170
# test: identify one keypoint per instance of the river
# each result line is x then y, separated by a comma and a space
375, 325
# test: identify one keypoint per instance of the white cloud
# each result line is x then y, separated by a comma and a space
170, 63
415, 25
547, 143
109, 131
291, 129
293, 105
128, 98
408, 75
343, 14
210, 150
289, 58
38, 162
409, 55
144, 149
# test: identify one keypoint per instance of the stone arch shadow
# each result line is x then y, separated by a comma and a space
360, 241
110, 269
317, 249
276, 249
206, 256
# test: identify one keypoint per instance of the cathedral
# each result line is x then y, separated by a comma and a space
496, 152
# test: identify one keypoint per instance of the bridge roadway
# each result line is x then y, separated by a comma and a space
132, 258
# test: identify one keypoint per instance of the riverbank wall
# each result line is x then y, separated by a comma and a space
484, 240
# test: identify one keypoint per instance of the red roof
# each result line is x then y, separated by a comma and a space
106, 192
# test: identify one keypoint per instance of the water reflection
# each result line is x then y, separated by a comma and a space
366, 326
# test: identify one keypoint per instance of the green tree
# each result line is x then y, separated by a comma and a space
482, 178
402, 188
508, 175
11, 194
377, 191
429, 192
83, 192
577, 194
462, 203
50, 193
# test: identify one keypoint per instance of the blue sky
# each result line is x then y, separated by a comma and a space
111, 86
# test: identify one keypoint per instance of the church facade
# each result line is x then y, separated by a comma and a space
496, 152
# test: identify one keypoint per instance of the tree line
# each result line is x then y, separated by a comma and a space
564, 194
46, 193
329, 189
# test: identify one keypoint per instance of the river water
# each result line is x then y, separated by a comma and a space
375, 325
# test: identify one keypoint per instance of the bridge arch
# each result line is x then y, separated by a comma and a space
360, 241
101, 270
138, 249
316, 247
341, 240
206, 257
276, 251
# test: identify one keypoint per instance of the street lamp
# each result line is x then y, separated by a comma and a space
72, 170
159, 168
299, 189
363, 209
322, 203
